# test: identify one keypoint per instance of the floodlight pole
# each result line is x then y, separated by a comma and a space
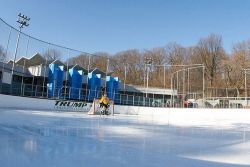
148, 63
125, 77
87, 79
172, 91
164, 84
203, 85
147, 81
245, 72
23, 21
245, 84
107, 68
188, 82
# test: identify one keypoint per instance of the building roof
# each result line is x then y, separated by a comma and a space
77, 67
18, 70
58, 62
23, 61
35, 60
38, 59
98, 71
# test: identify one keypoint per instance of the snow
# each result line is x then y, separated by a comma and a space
31, 138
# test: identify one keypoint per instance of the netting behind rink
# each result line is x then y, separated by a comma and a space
145, 78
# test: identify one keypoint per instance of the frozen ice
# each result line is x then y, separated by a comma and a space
31, 138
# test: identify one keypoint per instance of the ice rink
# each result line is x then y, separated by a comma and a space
67, 139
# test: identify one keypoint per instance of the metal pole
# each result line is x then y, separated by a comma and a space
24, 63
174, 95
33, 80
87, 78
144, 82
107, 68
203, 85
188, 81
226, 92
15, 54
125, 77
23, 76
164, 77
164, 85
172, 90
147, 81
245, 85
66, 77
44, 73
177, 81
183, 88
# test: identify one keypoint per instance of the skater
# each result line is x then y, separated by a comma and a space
104, 104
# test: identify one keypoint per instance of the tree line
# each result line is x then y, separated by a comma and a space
222, 70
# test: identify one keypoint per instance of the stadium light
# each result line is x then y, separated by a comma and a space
23, 22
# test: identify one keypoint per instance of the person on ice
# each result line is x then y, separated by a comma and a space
104, 102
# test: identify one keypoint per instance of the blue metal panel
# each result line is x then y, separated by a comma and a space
91, 84
116, 90
98, 86
59, 81
55, 80
75, 80
112, 88
94, 86
109, 87
50, 84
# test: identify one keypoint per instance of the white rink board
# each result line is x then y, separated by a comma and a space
156, 113
7, 101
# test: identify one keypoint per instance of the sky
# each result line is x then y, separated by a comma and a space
117, 25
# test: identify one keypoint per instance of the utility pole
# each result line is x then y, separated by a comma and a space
23, 22
107, 69
203, 85
245, 72
148, 64
125, 77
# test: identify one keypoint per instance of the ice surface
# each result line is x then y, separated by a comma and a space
63, 139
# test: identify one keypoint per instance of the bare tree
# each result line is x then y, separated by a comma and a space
81, 60
99, 60
220, 69
175, 54
210, 52
52, 54
132, 62
233, 67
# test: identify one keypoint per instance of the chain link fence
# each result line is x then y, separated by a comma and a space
30, 81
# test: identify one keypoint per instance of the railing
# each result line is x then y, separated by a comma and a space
69, 93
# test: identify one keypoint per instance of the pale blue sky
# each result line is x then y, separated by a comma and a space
117, 25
